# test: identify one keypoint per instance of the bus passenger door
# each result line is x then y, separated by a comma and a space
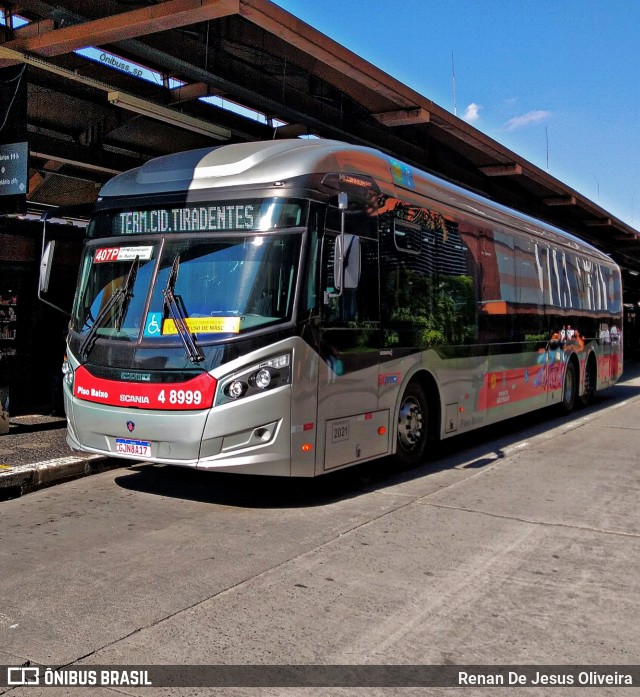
348, 418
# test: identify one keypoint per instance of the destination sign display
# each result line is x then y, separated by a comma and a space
188, 219
219, 216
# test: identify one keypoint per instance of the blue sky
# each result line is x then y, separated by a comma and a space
527, 73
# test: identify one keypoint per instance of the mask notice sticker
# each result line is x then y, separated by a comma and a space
205, 325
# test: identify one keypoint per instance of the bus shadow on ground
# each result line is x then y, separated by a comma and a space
476, 450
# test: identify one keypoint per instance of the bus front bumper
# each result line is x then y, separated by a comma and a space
232, 437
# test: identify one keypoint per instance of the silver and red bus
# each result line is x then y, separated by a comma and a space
298, 306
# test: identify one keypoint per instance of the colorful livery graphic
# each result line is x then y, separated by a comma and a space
293, 307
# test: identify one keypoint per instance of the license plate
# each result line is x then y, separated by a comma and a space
128, 446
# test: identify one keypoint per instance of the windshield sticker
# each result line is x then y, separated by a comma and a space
203, 325
153, 325
107, 254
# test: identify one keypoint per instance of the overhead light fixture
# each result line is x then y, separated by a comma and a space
174, 118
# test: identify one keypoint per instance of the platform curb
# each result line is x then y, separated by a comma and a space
23, 479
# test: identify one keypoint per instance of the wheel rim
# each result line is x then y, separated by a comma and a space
410, 423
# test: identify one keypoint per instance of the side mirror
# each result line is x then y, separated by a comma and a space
339, 258
45, 266
346, 269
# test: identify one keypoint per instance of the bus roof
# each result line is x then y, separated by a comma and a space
262, 164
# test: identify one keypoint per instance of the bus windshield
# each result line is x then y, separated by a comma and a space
223, 286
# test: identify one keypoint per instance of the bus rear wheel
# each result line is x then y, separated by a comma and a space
569, 387
413, 426
590, 378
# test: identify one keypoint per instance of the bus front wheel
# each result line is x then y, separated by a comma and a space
413, 426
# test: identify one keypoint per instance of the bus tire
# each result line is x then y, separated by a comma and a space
569, 387
413, 426
590, 381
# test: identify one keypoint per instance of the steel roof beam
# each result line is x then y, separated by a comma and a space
126, 25
403, 117
598, 222
560, 201
501, 170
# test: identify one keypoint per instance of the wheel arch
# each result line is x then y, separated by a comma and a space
573, 358
428, 383
590, 363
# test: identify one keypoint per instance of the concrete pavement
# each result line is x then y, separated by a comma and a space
514, 547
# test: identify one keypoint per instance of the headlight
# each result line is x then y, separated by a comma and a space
67, 372
235, 389
266, 375
263, 378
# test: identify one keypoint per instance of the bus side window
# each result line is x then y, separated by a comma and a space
429, 287
311, 273
358, 298
456, 292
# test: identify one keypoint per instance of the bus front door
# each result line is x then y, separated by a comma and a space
351, 428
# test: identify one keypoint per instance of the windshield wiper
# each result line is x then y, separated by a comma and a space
120, 298
176, 306
127, 294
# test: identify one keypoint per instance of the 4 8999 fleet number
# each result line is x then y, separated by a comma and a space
180, 397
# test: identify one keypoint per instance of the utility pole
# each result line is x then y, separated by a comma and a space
453, 77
